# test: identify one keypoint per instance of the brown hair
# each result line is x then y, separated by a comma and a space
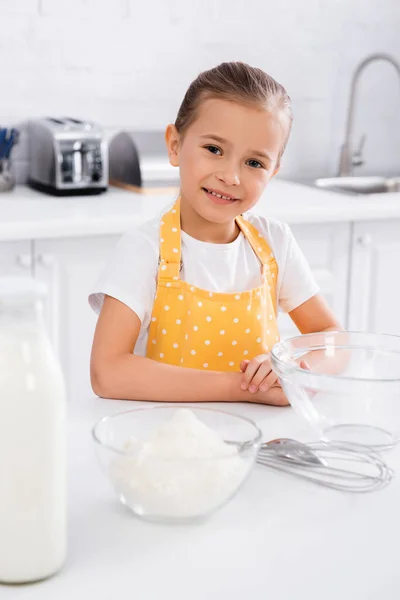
238, 82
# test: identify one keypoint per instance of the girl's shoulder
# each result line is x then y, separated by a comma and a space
143, 237
276, 233
147, 230
130, 273
137, 251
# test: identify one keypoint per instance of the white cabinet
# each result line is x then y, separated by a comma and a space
70, 267
326, 247
15, 258
375, 277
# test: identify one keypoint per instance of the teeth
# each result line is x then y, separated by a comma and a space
219, 195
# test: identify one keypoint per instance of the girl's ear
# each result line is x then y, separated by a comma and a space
172, 140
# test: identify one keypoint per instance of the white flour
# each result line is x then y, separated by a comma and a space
183, 470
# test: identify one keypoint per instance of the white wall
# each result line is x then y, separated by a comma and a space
127, 63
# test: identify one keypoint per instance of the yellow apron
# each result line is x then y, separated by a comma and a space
196, 328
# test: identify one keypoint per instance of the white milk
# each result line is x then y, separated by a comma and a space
32, 441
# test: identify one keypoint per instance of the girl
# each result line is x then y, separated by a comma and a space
188, 304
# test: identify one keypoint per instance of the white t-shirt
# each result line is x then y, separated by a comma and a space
130, 275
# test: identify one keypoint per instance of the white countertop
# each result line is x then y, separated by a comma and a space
27, 214
279, 538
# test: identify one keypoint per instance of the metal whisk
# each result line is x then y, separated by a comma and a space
340, 466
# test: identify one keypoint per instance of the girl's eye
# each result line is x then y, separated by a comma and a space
255, 164
213, 149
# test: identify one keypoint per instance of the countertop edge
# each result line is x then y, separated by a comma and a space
293, 203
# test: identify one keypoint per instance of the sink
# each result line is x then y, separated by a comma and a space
360, 185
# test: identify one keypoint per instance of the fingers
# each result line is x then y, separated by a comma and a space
258, 374
252, 367
267, 382
243, 365
275, 396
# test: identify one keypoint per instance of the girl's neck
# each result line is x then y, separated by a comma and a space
216, 233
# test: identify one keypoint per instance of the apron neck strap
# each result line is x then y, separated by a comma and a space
256, 240
170, 243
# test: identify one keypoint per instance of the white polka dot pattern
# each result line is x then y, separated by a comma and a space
201, 329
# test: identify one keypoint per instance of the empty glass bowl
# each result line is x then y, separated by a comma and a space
345, 384
176, 470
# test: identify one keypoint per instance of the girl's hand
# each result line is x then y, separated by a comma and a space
258, 374
275, 396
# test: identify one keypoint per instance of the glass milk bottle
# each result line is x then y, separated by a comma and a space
32, 439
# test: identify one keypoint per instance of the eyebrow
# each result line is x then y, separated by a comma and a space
217, 138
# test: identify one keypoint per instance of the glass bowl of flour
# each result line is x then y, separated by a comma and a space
174, 463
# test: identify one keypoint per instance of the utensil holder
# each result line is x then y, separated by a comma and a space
7, 181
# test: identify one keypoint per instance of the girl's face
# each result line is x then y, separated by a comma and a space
226, 157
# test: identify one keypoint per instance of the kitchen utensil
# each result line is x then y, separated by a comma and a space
292, 450
8, 138
351, 390
347, 468
6, 176
9, 142
182, 482
3, 138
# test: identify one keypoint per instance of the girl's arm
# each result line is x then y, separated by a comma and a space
117, 373
314, 315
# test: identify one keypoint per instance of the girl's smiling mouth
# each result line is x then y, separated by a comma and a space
218, 197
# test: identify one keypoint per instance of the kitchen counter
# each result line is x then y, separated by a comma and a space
28, 214
280, 538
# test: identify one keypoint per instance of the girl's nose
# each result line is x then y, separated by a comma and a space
229, 176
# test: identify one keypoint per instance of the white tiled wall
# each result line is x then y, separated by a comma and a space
127, 63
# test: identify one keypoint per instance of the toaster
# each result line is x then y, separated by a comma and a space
138, 161
67, 156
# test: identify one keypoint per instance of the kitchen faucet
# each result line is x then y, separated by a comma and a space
349, 159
